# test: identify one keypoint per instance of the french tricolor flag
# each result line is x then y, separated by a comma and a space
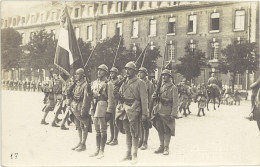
67, 51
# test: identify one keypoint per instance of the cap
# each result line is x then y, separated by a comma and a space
130, 65
103, 67
166, 71
80, 71
114, 69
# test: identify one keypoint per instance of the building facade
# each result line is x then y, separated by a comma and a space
209, 26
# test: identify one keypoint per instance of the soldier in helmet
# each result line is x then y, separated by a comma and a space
80, 105
183, 95
111, 120
134, 101
100, 109
167, 112
214, 82
143, 73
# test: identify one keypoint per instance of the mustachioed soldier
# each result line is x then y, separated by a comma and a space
143, 73
80, 106
111, 120
167, 112
100, 109
134, 102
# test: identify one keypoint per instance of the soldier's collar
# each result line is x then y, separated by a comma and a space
131, 80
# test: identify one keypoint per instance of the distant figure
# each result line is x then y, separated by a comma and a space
255, 101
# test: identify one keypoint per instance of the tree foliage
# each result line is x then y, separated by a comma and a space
10, 48
191, 63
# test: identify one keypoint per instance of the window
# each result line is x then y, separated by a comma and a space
90, 11
240, 20
53, 16
23, 20
134, 5
76, 30
14, 22
215, 21
104, 9
214, 50
192, 21
171, 25
42, 17
119, 29
135, 29
171, 52
238, 79
32, 19
53, 34
76, 14
89, 33
152, 29
119, 6
103, 31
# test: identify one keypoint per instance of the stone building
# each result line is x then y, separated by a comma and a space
209, 26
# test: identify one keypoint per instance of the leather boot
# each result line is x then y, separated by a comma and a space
166, 150
128, 155
54, 124
102, 148
140, 143
159, 150
144, 146
135, 148
63, 127
43, 122
98, 140
74, 148
82, 147
114, 142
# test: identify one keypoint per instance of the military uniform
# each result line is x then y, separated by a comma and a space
201, 98
134, 104
183, 96
80, 105
214, 83
165, 113
255, 101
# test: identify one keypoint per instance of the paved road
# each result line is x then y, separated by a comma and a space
222, 137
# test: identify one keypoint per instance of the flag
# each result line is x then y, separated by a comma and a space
67, 51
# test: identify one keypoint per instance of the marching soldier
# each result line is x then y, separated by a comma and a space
100, 109
255, 101
201, 97
113, 128
183, 95
167, 111
80, 105
143, 73
132, 109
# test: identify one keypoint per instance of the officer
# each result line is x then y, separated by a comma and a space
57, 90
134, 99
100, 109
214, 82
255, 101
143, 74
167, 112
48, 100
111, 120
80, 105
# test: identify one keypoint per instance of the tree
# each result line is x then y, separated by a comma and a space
39, 52
191, 63
238, 57
11, 50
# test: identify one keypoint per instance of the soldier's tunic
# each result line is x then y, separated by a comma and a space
113, 101
48, 90
80, 105
135, 104
167, 106
202, 97
214, 83
183, 95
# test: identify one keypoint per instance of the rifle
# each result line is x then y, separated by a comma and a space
116, 55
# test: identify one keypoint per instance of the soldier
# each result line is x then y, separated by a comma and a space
143, 73
39, 86
80, 106
24, 85
57, 90
134, 106
48, 100
20, 83
189, 96
183, 95
214, 82
255, 101
33, 86
167, 111
201, 97
113, 128
100, 109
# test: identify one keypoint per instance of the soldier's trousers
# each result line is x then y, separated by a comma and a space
144, 133
100, 125
131, 139
164, 132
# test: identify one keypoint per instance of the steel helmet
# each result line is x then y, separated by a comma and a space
103, 67
143, 69
166, 71
80, 71
114, 69
130, 65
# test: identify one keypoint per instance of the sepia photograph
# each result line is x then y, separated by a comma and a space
130, 83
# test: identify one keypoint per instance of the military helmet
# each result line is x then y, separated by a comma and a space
166, 71
130, 65
80, 71
143, 69
103, 67
114, 69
